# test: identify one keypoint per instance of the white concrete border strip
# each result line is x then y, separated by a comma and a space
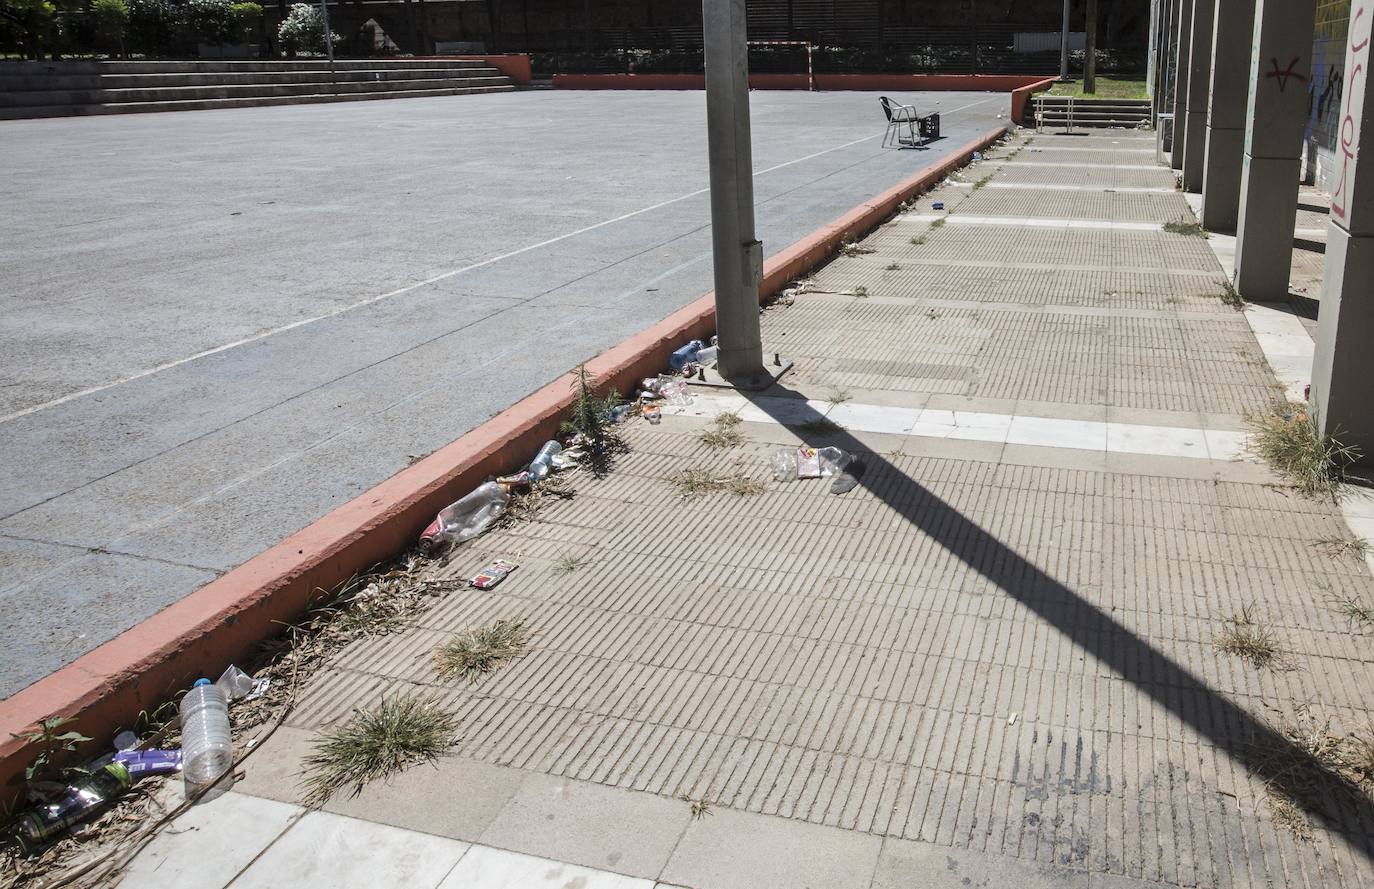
1082, 435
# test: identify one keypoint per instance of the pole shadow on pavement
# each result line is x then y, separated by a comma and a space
1329, 798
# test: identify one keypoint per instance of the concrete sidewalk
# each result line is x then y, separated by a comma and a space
991, 664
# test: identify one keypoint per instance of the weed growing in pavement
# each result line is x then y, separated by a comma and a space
1230, 297
1185, 228
590, 417
694, 483
849, 248
1252, 642
982, 182
1355, 610
50, 743
859, 292
570, 562
1318, 769
723, 433
893, 267
1288, 440
938, 223
838, 396
1344, 547
403, 730
918, 240
473, 652
700, 808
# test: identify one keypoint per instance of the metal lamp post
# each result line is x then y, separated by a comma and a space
737, 254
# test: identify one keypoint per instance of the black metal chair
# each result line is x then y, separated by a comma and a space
906, 128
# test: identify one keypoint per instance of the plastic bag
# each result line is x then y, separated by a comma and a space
784, 464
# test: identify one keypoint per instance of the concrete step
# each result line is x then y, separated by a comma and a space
232, 66
37, 111
39, 82
239, 91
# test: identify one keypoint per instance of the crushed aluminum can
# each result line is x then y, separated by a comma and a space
493, 574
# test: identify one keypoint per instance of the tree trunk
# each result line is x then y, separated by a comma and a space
1090, 50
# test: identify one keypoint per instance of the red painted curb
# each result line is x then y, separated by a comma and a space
225, 619
993, 83
1021, 95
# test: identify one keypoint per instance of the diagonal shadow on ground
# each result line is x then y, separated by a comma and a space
1327, 796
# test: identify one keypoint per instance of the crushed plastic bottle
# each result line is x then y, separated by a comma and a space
542, 464
707, 356
674, 392
466, 518
834, 461
207, 744
784, 464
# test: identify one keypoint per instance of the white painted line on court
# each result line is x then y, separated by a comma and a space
205, 353
1034, 223
1047, 432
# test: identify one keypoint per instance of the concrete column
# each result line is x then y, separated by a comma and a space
1183, 49
1343, 367
1233, 48
1199, 84
1272, 165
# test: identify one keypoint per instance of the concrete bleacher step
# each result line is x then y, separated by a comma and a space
79, 88
37, 111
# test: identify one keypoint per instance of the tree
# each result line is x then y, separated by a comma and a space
303, 30
28, 23
1090, 50
111, 18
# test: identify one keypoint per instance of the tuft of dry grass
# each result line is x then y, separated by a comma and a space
473, 652
723, 433
850, 248
918, 240
838, 396
938, 223
893, 267
403, 730
982, 182
570, 562
1288, 440
1355, 610
1230, 297
1344, 547
1252, 642
525, 506
694, 483
859, 292
1185, 228
1318, 769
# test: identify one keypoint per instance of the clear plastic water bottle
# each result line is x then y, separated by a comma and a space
707, 356
542, 463
466, 518
207, 745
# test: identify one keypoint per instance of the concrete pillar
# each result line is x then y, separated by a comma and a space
1272, 165
1199, 84
1183, 49
1343, 367
1232, 50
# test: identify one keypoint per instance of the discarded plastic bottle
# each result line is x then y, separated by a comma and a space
542, 463
620, 412
77, 803
707, 356
466, 518
207, 745
833, 460
784, 463
685, 355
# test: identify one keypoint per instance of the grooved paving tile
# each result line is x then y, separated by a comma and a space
984, 658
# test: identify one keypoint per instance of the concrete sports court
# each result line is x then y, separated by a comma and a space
217, 326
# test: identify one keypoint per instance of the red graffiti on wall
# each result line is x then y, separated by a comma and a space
1283, 76
1358, 57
